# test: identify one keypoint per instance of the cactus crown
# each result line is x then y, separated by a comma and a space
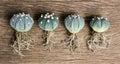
21, 22
48, 22
74, 23
99, 24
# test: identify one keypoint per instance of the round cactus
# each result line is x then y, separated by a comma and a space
97, 38
74, 23
99, 24
48, 22
21, 22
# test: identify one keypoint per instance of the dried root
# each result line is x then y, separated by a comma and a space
47, 40
23, 41
72, 42
98, 40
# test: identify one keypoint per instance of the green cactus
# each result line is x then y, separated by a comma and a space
22, 23
99, 24
48, 23
73, 23
97, 38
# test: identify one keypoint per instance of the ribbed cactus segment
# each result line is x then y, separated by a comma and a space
48, 22
99, 24
74, 23
21, 22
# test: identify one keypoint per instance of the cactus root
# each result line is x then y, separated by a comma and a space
47, 40
72, 42
97, 40
23, 41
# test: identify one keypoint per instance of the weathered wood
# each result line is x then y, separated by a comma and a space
59, 54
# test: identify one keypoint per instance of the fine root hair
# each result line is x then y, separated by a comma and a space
48, 40
97, 41
72, 42
22, 41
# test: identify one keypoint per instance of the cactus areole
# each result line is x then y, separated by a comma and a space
21, 22
99, 24
74, 23
48, 22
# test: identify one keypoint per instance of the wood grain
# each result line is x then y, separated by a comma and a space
59, 54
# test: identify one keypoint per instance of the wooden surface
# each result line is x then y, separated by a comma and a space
59, 53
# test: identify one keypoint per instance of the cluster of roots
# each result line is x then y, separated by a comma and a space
47, 40
97, 41
23, 41
72, 42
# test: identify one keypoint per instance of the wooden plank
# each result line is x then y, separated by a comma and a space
59, 54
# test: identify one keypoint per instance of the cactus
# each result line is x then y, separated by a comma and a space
97, 38
22, 23
99, 24
73, 23
48, 23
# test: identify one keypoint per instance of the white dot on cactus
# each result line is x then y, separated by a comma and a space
27, 15
17, 15
56, 17
52, 13
106, 19
22, 12
41, 22
41, 15
48, 20
44, 16
47, 13
52, 17
98, 18
48, 16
